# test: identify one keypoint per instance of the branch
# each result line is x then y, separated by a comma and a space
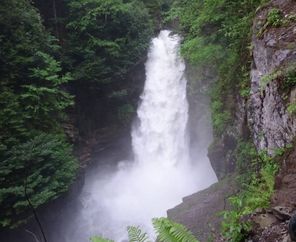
34, 211
34, 235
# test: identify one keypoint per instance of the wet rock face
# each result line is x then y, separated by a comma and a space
272, 126
220, 155
198, 212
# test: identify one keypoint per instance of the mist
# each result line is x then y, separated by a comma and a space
164, 167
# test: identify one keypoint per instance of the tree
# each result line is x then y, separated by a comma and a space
106, 39
39, 170
34, 153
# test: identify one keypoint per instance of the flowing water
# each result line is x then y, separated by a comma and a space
161, 172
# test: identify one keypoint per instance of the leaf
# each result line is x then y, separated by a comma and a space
169, 231
136, 235
99, 239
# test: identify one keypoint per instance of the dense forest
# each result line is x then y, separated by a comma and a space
68, 63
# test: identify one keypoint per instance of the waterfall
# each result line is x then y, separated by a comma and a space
160, 135
161, 173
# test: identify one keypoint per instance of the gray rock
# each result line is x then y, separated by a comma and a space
264, 220
199, 212
271, 125
282, 213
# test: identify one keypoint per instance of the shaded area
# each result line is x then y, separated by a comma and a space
199, 212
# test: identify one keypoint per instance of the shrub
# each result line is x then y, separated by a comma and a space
274, 17
166, 231
257, 189
41, 168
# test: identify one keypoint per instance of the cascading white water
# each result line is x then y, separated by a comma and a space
161, 172
160, 137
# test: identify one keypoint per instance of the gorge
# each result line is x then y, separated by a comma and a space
114, 112
161, 172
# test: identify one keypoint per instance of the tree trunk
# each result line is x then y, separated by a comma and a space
55, 18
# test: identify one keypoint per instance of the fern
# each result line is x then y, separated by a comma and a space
166, 230
99, 239
136, 235
169, 231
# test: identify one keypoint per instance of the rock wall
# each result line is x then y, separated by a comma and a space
263, 116
274, 48
199, 123
199, 211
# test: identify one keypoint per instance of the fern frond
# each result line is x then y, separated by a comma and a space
99, 239
136, 235
169, 231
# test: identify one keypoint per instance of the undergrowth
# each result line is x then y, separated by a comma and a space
287, 75
166, 231
257, 187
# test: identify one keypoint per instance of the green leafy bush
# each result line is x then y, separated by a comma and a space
106, 38
274, 17
287, 74
217, 35
169, 231
33, 166
34, 154
257, 189
246, 156
291, 108
290, 77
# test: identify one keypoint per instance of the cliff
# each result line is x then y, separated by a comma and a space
274, 57
267, 117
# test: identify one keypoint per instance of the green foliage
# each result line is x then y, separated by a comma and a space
291, 108
198, 52
257, 188
136, 235
244, 86
221, 115
33, 165
33, 152
99, 239
274, 17
217, 35
166, 230
285, 74
246, 156
157, 8
220, 118
268, 78
290, 76
21, 36
169, 231
44, 99
106, 38
255, 195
